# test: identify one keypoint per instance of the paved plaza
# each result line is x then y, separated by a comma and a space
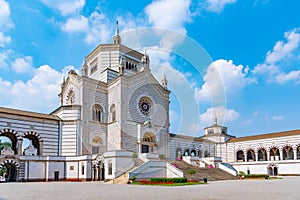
286, 188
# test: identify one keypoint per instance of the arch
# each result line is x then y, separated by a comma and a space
12, 167
287, 153
186, 152
13, 136
70, 97
298, 152
206, 153
274, 153
272, 169
250, 155
112, 113
262, 154
148, 142
178, 154
35, 139
98, 114
240, 157
200, 153
193, 152
98, 169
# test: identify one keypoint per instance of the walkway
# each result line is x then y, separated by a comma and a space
286, 188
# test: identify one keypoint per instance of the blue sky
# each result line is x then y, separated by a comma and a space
253, 47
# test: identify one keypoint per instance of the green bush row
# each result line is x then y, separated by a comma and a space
174, 180
255, 175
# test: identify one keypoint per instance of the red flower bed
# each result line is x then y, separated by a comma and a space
192, 181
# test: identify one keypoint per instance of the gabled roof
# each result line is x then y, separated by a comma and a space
28, 113
266, 136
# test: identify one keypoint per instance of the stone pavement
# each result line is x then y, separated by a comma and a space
286, 188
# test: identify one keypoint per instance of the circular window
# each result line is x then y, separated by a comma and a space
145, 105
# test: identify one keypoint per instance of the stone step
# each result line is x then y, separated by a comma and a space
213, 174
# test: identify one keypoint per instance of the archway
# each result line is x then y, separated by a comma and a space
272, 169
274, 154
178, 154
240, 156
186, 152
250, 155
32, 143
98, 169
262, 154
288, 153
148, 143
193, 152
10, 136
9, 169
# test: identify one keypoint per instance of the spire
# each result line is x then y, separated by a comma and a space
164, 82
215, 120
84, 68
117, 38
145, 60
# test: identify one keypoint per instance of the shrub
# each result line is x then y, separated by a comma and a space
132, 178
191, 172
134, 155
173, 180
241, 173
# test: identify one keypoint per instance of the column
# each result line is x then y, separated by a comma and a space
256, 156
41, 147
268, 155
281, 154
295, 154
245, 156
20, 141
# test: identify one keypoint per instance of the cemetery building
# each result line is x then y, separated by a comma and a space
114, 119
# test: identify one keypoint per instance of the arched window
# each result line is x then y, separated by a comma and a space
178, 154
70, 97
240, 156
274, 154
98, 113
262, 154
250, 155
193, 152
288, 153
113, 113
186, 152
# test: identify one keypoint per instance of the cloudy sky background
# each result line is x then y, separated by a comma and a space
253, 47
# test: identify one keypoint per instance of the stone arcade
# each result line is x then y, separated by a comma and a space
113, 119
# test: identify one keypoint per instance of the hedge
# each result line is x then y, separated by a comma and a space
174, 180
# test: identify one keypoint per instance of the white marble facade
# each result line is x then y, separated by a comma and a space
116, 109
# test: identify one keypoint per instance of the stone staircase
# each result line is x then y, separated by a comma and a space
211, 174
123, 179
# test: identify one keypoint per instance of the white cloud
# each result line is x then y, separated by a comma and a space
286, 77
277, 118
223, 77
279, 59
95, 27
37, 94
76, 24
217, 5
65, 7
22, 65
4, 39
5, 21
223, 115
99, 29
170, 14
284, 49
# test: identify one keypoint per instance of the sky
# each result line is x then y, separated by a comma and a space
248, 74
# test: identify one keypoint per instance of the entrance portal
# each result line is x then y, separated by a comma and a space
9, 172
145, 148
